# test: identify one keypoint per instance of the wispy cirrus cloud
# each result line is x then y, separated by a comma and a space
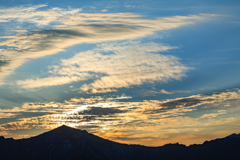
114, 66
7, 115
162, 91
10, 113
15, 109
32, 14
212, 115
95, 100
75, 28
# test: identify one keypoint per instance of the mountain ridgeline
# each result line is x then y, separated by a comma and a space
65, 143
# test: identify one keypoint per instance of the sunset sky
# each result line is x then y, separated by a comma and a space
132, 71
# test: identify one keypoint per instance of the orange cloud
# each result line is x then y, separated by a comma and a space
154, 122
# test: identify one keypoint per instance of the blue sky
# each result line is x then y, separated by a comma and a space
139, 72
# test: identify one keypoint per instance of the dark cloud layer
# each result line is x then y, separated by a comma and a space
45, 38
100, 111
113, 28
191, 102
3, 63
174, 104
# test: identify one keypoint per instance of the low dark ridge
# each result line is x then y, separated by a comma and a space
73, 144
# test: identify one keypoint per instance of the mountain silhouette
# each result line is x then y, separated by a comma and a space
66, 143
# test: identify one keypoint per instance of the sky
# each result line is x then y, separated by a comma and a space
132, 71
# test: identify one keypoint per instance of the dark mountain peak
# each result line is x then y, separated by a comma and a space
229, 140
174, 145
63, 133
64, 128
234, 135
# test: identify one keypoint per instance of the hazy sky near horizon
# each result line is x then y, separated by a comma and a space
136, 72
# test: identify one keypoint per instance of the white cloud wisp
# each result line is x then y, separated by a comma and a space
74, 28
123, 65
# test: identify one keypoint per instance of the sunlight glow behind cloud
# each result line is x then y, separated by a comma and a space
158, 120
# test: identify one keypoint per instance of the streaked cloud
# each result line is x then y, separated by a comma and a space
113, 66
36, 105
95, 100
15, 109
7, 115
31, 14
92, 100
52, 81
212, 115
104, 10
74, 28
194, 101
162, 91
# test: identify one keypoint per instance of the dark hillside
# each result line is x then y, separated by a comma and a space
69, 143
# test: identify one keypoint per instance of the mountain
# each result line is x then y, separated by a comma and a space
69, 143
